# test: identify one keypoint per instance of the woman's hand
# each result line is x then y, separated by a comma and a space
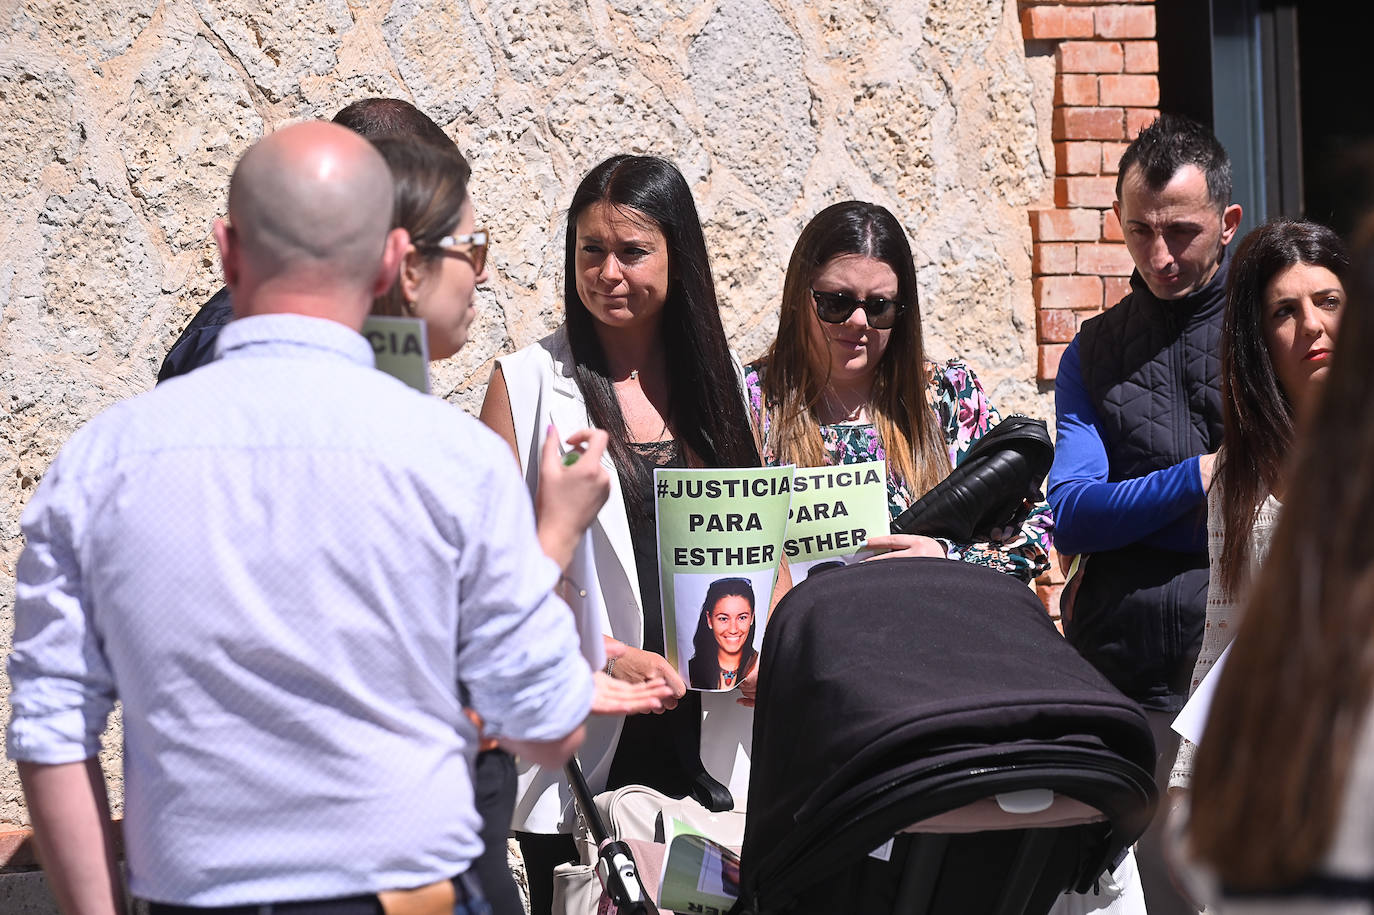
749, 688
569, 495
619, 697
635, 665
904, 545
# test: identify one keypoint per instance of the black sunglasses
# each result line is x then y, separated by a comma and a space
836, 307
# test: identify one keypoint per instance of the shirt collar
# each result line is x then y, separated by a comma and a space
1198, 303
296, 336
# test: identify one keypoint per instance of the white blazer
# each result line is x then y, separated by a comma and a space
542, 390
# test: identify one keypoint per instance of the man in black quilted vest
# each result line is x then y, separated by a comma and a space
1138, 413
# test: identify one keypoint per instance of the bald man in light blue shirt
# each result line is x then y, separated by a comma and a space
293, 598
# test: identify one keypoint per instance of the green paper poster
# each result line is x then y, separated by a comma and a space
834, 510
699, 874
401, 348
719, 540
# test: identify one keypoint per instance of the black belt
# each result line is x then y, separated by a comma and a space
465, 887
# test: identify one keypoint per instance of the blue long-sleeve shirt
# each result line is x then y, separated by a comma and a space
1093, 514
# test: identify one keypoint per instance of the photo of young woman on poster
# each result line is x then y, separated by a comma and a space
723, 642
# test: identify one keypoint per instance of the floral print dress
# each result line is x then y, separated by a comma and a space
964, 413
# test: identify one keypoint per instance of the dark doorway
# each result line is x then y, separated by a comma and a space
1279, 82
1337, 119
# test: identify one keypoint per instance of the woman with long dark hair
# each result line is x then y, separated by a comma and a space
723, 650
642, 355
1283, 307
846, 380
1284, 784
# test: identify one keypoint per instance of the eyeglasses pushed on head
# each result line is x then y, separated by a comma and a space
836, 307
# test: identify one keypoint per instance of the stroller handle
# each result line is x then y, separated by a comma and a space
615, 863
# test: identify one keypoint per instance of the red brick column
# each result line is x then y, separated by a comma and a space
1106, 88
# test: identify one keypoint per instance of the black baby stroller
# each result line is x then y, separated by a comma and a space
922, 699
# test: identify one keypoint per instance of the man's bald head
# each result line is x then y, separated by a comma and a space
309, 212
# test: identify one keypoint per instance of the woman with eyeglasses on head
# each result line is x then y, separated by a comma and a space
439, 275
447, 257
846, 380
643, 355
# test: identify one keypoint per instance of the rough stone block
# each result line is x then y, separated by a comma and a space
40, 127
106, 27
279, 43
1130, 90
180, 167
1125, 21
642, 121
1077, 158
1066, 225
1090, 57
1105, 260
1084, 191
736, 85
1140, 57
441, 55
1053, 257
1067, 292
542, 39
1087, 124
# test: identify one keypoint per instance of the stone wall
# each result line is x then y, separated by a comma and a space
122, 119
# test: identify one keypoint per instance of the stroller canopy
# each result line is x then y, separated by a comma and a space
893, 691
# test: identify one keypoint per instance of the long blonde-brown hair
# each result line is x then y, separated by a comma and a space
1272, 769
797, 372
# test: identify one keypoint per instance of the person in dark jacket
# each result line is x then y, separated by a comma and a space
1138, 413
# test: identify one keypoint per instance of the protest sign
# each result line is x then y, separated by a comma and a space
720, 536
834, 510
401, 348
699, 874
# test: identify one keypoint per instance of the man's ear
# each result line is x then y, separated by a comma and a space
1230, 221
1116, 209
397, 240
228, 243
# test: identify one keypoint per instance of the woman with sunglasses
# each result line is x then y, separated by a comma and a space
846, 380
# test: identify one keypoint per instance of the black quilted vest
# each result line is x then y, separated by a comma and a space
1152, 370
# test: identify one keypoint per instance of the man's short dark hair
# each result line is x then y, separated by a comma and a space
377, 117
1172, 142
391, 117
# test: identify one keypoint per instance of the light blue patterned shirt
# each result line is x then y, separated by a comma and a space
293, 571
